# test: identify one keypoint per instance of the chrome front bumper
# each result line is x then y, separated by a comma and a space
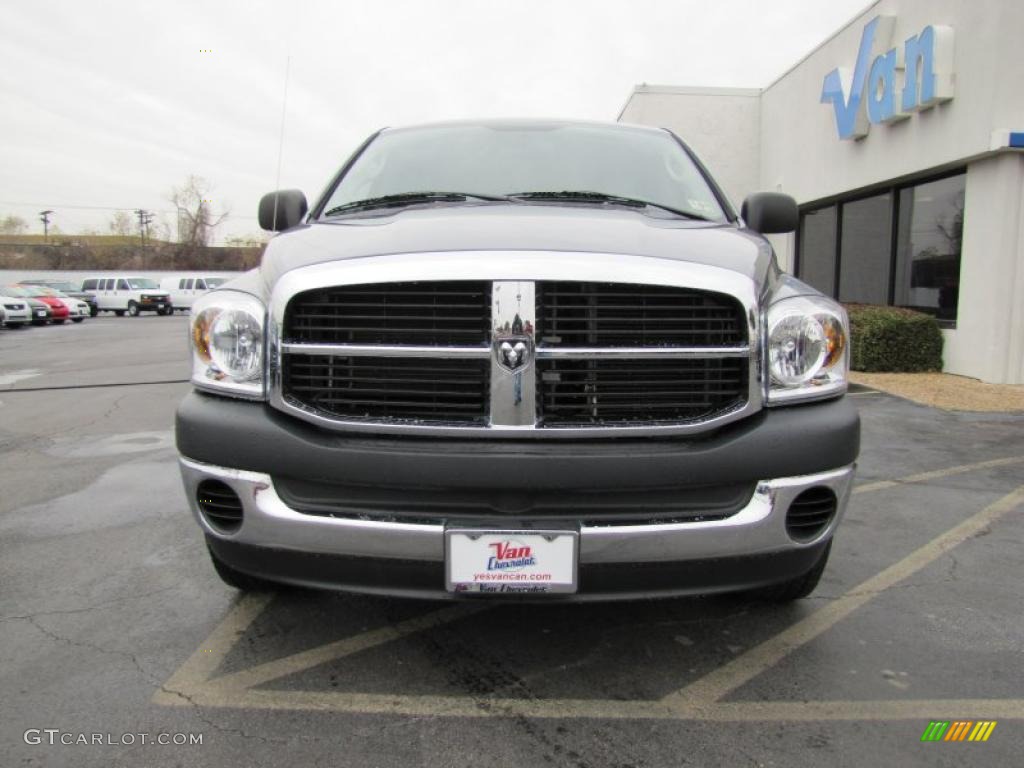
759, 528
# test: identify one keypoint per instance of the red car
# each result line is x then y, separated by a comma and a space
58, 309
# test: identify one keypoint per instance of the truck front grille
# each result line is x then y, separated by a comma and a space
389, 388
442, 313
600, 357
621, 315
600, 392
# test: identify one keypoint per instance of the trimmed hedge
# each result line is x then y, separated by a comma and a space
893, 340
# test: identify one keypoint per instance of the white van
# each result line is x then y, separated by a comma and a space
128, 294
186, 289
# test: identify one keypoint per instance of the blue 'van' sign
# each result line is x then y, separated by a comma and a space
868, 94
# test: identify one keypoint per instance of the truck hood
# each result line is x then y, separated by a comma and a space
527, 227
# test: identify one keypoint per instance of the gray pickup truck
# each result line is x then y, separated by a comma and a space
504, 359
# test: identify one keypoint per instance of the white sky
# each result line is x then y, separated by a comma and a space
112, 103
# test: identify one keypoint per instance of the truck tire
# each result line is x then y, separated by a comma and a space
797, 588
133, 309
240, 581
77, 319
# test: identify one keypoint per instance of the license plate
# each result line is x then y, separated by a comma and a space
159, 306
40, 313
510, 562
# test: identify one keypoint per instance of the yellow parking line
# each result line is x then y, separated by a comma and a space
922, 477
212, 695
211, 654
289, 665
192, 683
727, 678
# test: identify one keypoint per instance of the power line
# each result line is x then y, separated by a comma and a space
106, 208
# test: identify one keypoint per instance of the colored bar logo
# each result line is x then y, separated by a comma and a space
958, 730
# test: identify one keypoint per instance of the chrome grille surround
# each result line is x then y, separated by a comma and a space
513, 409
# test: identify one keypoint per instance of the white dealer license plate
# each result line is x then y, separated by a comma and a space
510, 562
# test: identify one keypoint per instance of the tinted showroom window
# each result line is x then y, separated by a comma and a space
818, 249
900, 246
928, 241
864, 250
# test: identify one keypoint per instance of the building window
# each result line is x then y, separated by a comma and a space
818, 249
864, 250
899, 246
929, 235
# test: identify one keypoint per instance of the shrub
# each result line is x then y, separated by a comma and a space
893, 340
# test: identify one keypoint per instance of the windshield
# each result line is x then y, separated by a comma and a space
215, 282
508, 159
142, 282
20, 291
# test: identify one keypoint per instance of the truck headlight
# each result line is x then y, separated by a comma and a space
227, 343
808, 349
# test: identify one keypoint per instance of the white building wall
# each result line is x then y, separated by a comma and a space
988, 342
802, 153
802, 150
798, 151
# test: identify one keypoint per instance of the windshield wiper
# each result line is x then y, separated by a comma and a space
601, 197
408, 198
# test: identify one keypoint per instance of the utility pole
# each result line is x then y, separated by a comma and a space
145, 217
44, 216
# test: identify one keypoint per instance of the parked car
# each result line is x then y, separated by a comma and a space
78, 310
40, 310
16, 311
185, 290
68, 288
59, 311
129, 294
512, 357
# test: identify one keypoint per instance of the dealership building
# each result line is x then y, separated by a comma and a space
902, 139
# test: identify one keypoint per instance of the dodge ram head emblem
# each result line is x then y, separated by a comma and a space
514, 353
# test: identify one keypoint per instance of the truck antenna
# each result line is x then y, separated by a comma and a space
280, 145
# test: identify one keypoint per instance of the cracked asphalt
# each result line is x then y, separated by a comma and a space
108, 603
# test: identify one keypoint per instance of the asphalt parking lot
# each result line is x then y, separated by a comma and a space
113, 622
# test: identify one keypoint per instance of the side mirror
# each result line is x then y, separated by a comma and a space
290, 205
770, 212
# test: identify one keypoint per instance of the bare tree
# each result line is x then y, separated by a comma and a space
196, 219
121, 224
13, 225
161, 229
952, 229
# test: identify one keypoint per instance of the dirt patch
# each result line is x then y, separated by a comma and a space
944, 390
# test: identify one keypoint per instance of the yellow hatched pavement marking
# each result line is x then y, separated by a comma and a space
250, 678
727, 678
194, 683
201, 665
935, 474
